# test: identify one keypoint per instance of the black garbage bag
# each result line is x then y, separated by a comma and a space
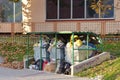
64, 68
67, 68
38, 64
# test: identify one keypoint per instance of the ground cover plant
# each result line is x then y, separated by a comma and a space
14, 48
13, 54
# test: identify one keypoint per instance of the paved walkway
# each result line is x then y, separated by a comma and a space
1, 59
26, 74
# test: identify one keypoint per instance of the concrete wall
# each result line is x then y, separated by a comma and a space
91, 62
117, 10
38, 9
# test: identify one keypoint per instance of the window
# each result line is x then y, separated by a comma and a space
7, 9
51, 9
100, 8
79, 9
64, 9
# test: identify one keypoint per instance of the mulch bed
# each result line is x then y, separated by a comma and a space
13, 65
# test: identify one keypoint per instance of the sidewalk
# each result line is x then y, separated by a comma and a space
26, 74
1, 59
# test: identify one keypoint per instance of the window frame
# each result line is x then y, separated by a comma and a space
71, 16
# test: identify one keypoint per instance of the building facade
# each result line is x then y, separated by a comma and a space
99, 16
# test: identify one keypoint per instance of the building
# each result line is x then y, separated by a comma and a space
99, 16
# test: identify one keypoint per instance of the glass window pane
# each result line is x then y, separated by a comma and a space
18, 12
51, 9
108, 11
90, 11
6, 11
100, 8
65, 9
78, 8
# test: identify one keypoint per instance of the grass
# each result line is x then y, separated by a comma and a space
109, 69
14, 48
112, 47
13, 51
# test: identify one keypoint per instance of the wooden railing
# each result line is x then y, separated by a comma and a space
99, 27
